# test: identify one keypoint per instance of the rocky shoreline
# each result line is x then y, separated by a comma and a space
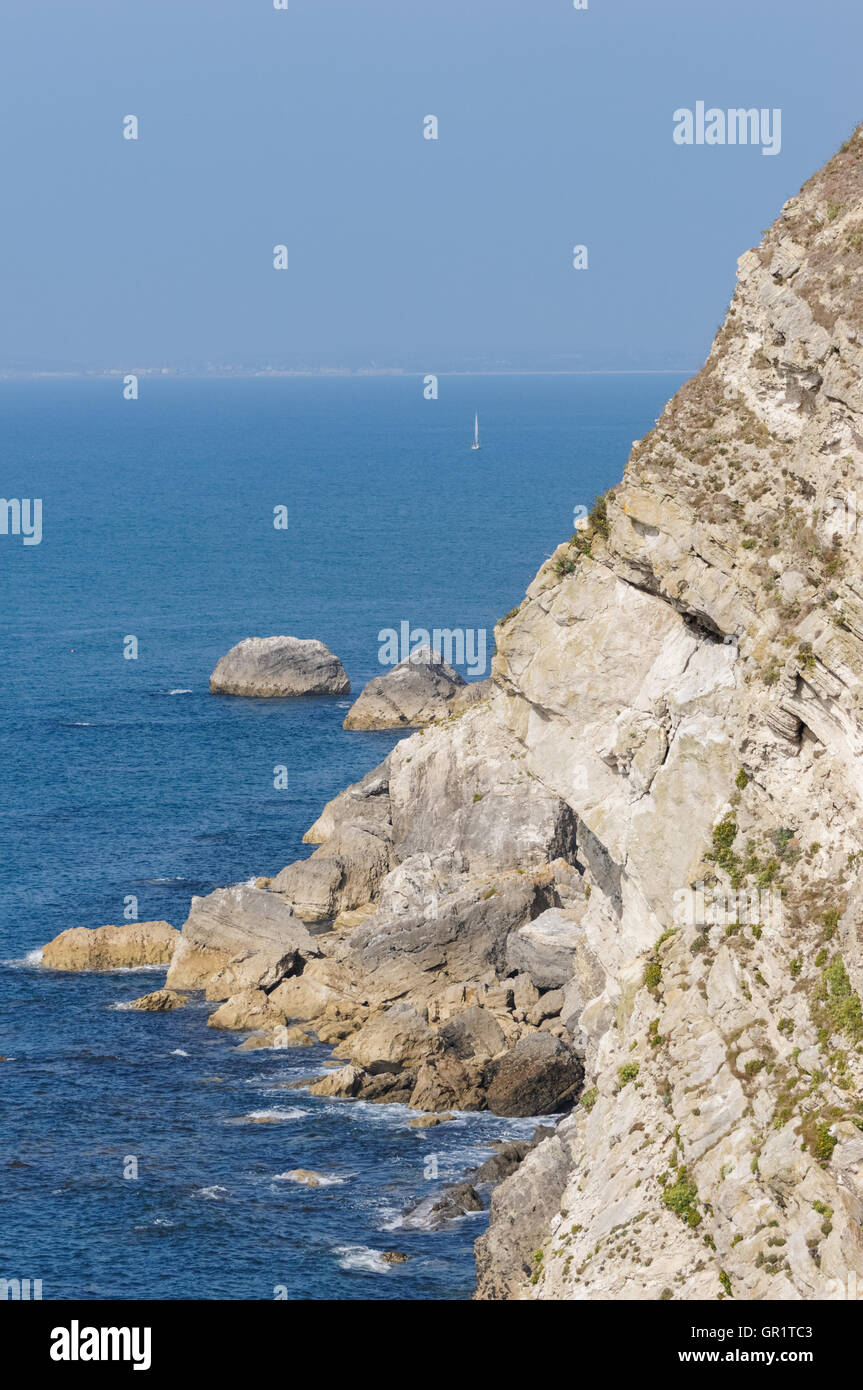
509, 912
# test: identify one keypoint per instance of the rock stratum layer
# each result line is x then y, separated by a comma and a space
541, 886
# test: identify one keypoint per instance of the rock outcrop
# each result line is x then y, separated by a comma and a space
279, 666
239, 938
414, 693
111, 948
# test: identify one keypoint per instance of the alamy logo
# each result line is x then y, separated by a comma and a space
22, 517
76, 1343
737, 126
838, 516
704, 907
849, 1288
458, 646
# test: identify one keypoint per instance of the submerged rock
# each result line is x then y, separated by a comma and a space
111, 948
279, 666
307, 1176
437, 1210
412, 694
160, 1001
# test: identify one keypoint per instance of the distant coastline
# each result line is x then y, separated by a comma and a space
277, 373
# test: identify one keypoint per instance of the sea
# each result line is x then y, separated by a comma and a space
143, 1156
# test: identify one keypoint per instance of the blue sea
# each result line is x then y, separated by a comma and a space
124, 778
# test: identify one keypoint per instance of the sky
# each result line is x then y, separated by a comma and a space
303, 127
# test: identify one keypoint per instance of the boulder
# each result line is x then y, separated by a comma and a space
547, 1006
524, 992
305, 997
545, 948
503, 1163
343, 1084
387, 1087
250, 1008
311, 886
292, 1037
342, 875
475, 1032
237, 921
446, 1083
111, 948
541, 1075
161, 1001
391, 1041
334, 1030
276, 666
251, 970
414, 693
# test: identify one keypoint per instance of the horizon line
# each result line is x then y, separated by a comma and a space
84, 374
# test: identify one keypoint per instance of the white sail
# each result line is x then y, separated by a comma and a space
475, 444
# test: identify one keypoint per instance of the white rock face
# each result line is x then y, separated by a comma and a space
701, 667
278, 666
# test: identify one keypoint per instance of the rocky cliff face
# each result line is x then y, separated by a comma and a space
687, 675
642, 848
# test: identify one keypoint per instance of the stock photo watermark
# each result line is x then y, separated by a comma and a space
20, 1290
22, 516
737, 126
838, 516
458, 646
699, 906
77, 1343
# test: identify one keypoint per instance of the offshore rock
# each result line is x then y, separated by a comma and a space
279, 666
111, 948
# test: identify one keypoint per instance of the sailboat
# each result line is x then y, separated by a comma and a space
476, 443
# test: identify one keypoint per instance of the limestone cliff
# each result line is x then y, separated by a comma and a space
640, 852
687, 675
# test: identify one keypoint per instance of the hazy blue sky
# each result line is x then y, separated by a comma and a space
305, 127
